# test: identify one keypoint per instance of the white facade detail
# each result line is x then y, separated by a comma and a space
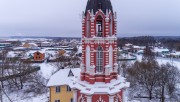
111, 56
75, 96
111, 98
101, 100
89, 98
87, 58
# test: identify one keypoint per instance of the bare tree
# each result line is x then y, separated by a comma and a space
143, 74
3, 64
168, 78
154, 80
60, 62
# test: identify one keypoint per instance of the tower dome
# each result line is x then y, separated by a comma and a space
99, 4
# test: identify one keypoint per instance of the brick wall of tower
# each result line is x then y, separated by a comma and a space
93, 44
117, 97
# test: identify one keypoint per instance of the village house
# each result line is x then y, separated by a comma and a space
136, 49
39, 56
61, 52
34, 56
175, 55
58, 85
5, 45
161, 51
45, 44
30, 45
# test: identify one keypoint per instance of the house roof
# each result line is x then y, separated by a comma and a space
160, 50
62, 77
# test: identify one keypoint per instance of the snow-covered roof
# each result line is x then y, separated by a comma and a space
161, 50
140, 51
99, 87
34, 44
139, 47
45, 42
5, 43
12, 40
31, 52
61, 77
128, 44
79, 49
18, 48
12, 54
176, 53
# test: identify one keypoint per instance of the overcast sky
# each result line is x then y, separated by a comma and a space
63, 17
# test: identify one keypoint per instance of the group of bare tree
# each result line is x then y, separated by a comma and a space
16, 75
62, 61
153, 81
66, 61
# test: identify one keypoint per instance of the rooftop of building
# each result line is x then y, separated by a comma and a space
95, 5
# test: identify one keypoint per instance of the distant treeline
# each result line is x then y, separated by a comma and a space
172, 43
141, 41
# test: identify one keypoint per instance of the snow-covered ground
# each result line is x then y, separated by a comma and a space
19, 96
46, 70
175, 62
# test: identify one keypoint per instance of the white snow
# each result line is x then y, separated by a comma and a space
173, 61
46, 69
19, 96
160, 50
61, 77
99, 87
79, 49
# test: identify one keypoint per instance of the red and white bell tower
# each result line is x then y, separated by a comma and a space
99, 80
99, 42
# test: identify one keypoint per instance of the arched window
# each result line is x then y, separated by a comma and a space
99, 26
99, 59
111, 26
88, 26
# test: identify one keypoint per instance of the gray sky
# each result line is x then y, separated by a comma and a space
63, 17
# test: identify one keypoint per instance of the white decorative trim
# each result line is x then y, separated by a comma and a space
111, 98
74, 95
89, 98
82, 67
115, 67
87, 57
81, 99
100, 100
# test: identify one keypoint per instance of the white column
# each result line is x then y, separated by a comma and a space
124, 95
111, 98
89, 98
75, 96
87, 58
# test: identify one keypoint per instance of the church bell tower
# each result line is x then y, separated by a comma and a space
99, 42
99, 80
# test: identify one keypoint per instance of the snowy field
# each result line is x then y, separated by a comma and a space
174, 62
19, 96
